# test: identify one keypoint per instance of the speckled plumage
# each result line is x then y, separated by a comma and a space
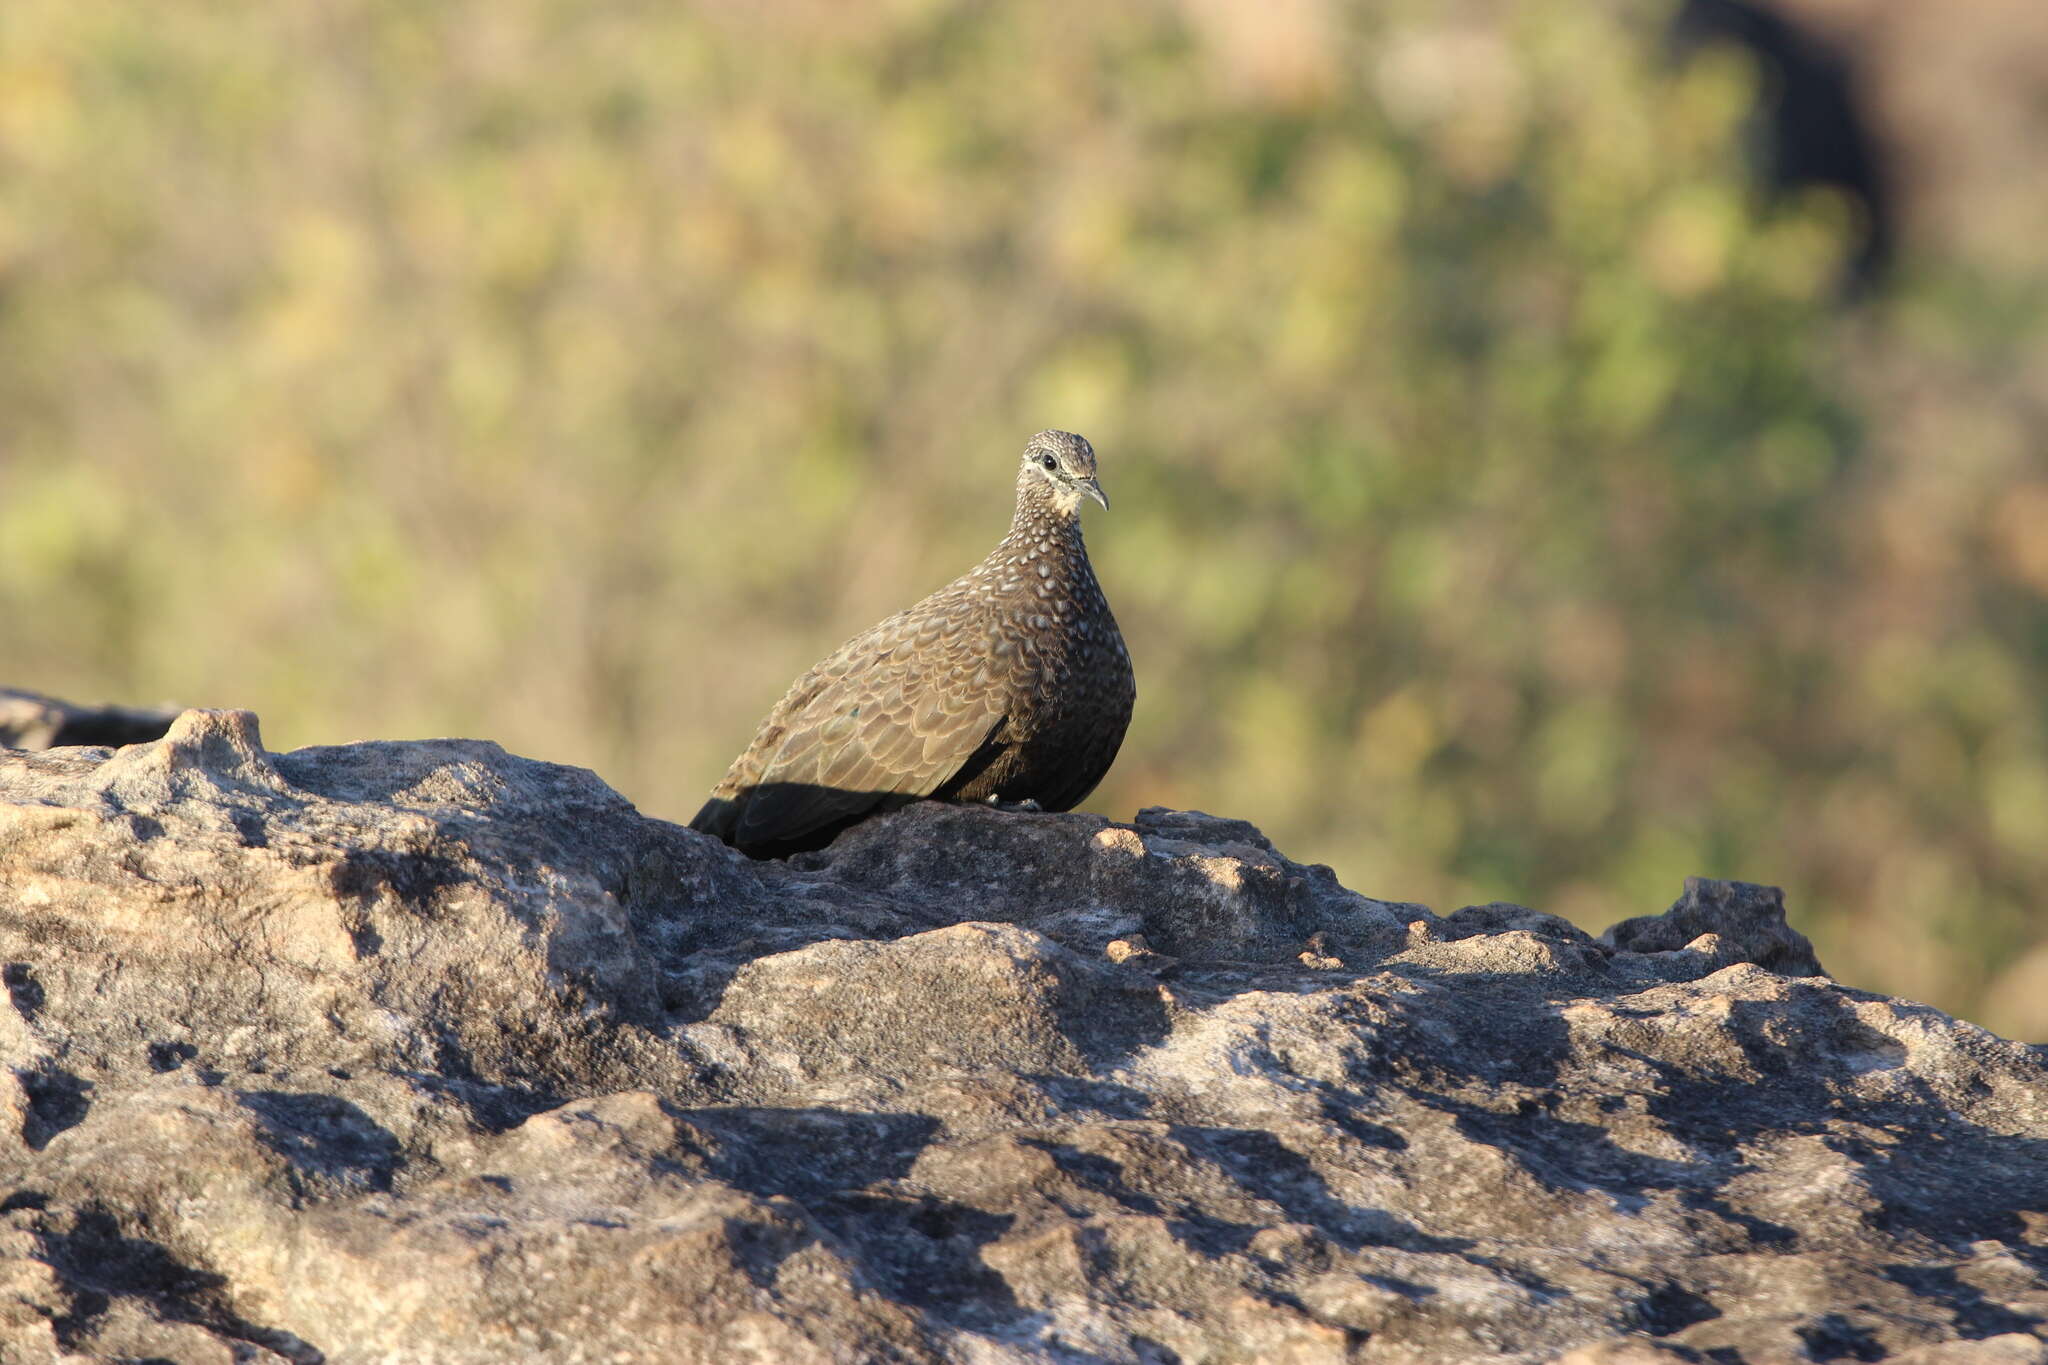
1011, 682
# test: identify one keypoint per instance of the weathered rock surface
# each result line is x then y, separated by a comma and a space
424, 1052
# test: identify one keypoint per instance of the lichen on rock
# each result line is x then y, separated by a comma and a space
423, 1051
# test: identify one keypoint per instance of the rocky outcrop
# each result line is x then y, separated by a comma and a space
425, 1052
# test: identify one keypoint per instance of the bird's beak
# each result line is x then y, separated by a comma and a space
1094, 490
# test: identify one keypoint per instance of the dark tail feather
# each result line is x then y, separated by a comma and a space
719, 818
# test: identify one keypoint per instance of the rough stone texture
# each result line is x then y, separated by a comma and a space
424, 1052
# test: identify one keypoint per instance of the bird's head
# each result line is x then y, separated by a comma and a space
1066, 464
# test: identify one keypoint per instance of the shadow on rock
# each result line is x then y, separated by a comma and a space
335, 1149
56, 1100
845, 1169
102, 1264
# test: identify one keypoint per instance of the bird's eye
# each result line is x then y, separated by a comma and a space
1048, 461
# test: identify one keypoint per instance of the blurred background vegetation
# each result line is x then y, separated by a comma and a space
1509, 501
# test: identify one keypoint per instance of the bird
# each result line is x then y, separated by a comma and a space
1010, 685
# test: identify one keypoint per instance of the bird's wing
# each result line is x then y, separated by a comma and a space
896, 712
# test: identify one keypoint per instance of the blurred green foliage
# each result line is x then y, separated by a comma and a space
1504, 506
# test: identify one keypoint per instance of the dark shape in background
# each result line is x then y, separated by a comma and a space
1812, 126
29, 720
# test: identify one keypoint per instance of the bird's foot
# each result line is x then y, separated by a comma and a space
1027, 805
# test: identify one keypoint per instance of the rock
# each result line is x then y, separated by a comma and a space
1726, 922
29, 720
422, 1051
